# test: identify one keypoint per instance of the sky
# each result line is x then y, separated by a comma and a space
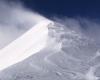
69, 8
18, 16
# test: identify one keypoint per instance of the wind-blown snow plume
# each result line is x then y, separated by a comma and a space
70, 40
86, 26
15, 19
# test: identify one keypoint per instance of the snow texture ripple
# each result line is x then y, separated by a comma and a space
50, 51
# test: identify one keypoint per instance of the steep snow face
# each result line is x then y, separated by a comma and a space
28, 44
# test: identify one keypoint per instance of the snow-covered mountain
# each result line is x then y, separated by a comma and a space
28, 44
50, 51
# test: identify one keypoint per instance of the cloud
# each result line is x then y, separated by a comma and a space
15, 19
85, 26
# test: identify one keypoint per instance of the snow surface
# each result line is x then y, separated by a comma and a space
50, 51
28, 44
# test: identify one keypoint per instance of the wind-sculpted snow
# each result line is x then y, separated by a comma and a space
68, 55
28, 44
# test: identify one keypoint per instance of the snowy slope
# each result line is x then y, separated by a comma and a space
28, 44
64, 55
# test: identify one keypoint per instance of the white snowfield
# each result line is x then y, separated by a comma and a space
61, 54
28, 44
